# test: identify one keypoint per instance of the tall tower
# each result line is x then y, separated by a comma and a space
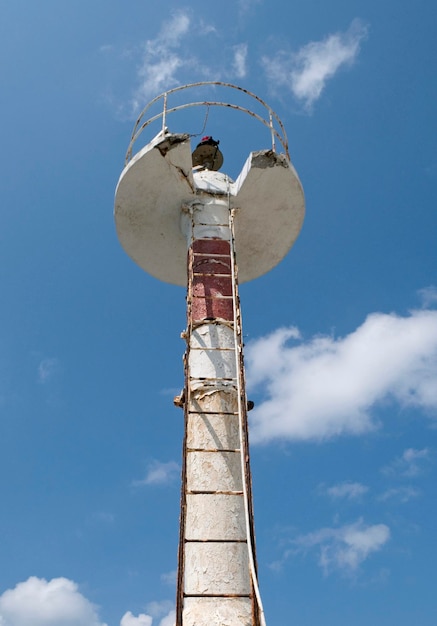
186, 223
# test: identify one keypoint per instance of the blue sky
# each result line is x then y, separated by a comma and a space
341, 337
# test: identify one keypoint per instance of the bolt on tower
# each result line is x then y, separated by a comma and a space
186, 223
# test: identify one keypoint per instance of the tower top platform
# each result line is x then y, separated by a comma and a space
159, 181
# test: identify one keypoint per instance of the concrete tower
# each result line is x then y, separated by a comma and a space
190, 226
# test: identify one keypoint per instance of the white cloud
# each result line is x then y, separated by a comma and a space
403, 494
240, 57
169, 620
428, 296
58, 602
410, 464
348, 490
325, 387
306, 72
246, 5
169, 578
160, 473
38, 602
157, 609
344, 548
206, 28
102, 517
170, 59
161, 59
412, 459
130, 620
142, 619
47, 368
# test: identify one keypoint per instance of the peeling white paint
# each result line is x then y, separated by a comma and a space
214, 471
212, 336
212, 182
206, 219
212, 364
216, 568
153, 187
216, 517
217, 612
215, 400
161, 208
212, 432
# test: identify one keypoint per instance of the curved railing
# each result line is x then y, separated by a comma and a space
273, 123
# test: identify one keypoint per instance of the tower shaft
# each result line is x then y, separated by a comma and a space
158, 189
216, 571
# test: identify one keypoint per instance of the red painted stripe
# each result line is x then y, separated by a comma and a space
211, 286
211, 308
211, 281
211, 265
211, 246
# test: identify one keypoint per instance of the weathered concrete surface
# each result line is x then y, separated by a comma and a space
218, 612
214, 401
148, 200
214, 556
215, 517
211, 432
214, 471
216, 569
272, 203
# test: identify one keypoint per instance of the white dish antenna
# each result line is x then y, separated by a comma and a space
159, 180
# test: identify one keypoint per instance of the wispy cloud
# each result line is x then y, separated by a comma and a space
207, 28
102, 517
348, 490
169, 578
341, 549
400, 494
428, 295
325, 386
47, 369
239, 63
246, 5
161, 60
159, 473
170, 59
412, 463
306, 72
